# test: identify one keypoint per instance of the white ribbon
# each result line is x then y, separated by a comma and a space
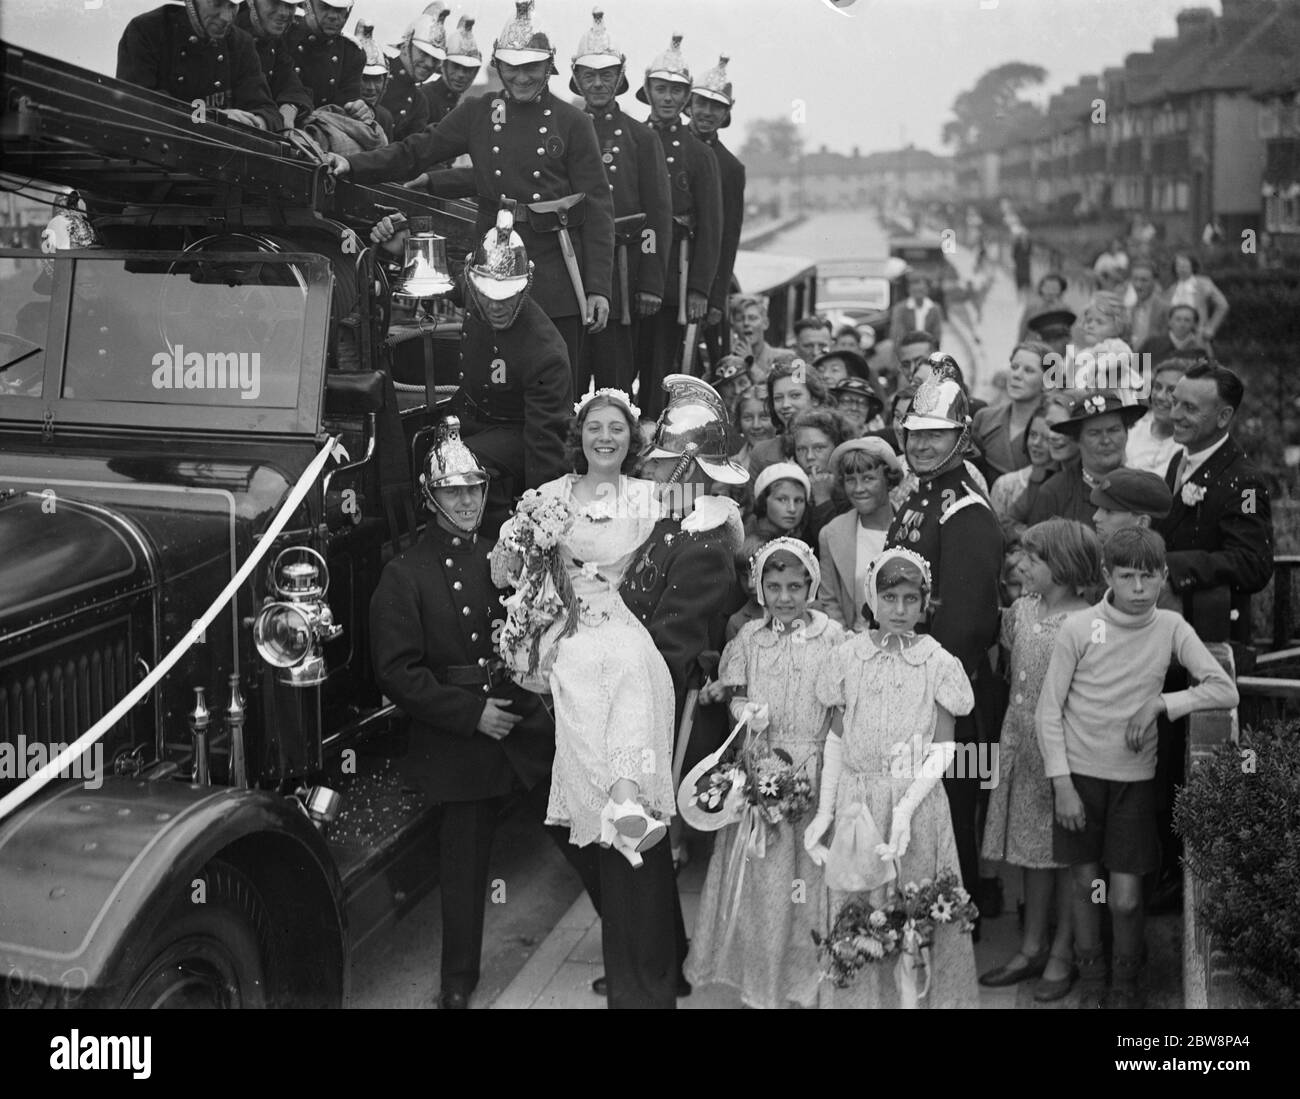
33, 783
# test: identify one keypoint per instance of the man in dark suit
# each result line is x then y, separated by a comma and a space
1219, 540
475, 735
917, 312
682, 583
710, 111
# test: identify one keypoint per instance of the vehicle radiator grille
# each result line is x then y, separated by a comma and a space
56, 695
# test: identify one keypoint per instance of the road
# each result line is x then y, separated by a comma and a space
845, 234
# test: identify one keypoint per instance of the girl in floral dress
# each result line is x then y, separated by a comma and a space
1060, 569
896, 695
763, 896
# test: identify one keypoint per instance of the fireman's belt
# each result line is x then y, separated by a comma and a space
568, 212
490, 674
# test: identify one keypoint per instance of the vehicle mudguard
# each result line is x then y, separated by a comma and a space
87, 875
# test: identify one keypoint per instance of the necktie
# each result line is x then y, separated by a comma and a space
1181, 475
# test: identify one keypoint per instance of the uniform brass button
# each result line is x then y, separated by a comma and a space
547, 112
676, 143
473, 637
670, 160
447, 562
221, 57
496, 148
457, 586
615, 149
536, 196
216, 83
607, 158
335, 58
464, 611
497, 127
482, 661
613, 167
537, 175
618, 133
102, 351
455, 541
541, 152
485, 688
497, 172
331, 80
103, 328
608, 115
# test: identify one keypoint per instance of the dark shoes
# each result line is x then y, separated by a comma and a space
1049, 991
453, 1001
1006, 975
1126, 986
1092, 976
600, 986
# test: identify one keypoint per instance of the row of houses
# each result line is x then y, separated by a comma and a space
827, 180
1203, 127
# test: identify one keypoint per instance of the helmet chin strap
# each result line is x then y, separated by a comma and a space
472, 292
431, 502
541, 86
958, 449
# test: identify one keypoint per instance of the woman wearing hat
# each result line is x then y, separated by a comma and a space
1099, 422
1001, 432
782, 495
865, 470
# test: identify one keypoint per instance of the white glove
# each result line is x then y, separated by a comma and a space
756, 713
813, 835
832, 765
937, 760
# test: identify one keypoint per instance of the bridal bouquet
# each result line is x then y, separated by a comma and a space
542, 609
903, 926
769, 782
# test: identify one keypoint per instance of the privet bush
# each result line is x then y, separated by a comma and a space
1239, 816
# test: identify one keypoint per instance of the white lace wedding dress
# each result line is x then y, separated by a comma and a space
612, 690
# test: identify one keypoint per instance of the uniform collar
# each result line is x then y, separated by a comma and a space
448, 542
607, 114
665, 127
927, 483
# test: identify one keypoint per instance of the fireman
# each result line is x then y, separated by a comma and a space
639, 179
374, 76
329, 64
697, 225
459, 68
420, 53
196, 53
529, 146
710, 110
516, 391
476, 737
268, 21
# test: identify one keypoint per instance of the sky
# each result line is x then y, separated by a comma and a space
876, 74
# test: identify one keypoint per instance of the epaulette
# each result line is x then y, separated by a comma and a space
712, 512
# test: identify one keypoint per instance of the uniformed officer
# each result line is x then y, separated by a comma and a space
268, 21
475, 735
697, 222
421, 51
196, 52
374, 76
949, 522
710, 109
681, 584
530, 146
516, 391
329, 64
638, 176
459, 68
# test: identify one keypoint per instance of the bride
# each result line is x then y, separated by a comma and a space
612, 691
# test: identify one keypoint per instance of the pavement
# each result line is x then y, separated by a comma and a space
560, 971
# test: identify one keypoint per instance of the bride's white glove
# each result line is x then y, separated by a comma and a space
832, 765
937, 760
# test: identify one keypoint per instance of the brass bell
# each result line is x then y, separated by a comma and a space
425, 273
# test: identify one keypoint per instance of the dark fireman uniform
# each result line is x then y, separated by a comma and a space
431, 619
439, 100
159, 50
515, 401
329, 66
696, 195
531, 152
405, 102
949, 522
277, 66
731, 177
638, 178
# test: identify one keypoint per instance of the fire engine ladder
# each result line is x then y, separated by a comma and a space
118, 144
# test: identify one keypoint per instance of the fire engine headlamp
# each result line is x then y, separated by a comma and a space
289, 632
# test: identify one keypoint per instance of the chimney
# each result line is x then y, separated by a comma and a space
823, 150
1191, 20
856, 153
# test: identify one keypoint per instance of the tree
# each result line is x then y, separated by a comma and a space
993, 107
775, 137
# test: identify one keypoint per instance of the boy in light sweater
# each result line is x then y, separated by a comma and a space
1097, 730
